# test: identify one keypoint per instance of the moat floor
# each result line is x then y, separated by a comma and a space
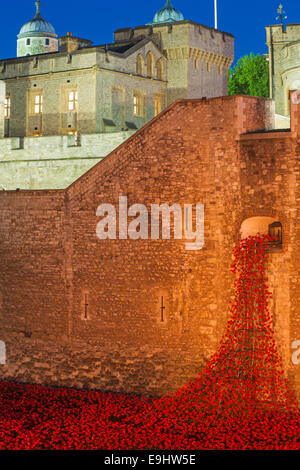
36, 417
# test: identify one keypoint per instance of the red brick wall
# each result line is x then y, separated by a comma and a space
191, 153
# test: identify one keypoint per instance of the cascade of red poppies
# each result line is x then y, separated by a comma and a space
241, 400
247, 369
244, 383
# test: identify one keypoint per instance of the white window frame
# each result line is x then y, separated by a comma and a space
38, 104
138, 104
72, 100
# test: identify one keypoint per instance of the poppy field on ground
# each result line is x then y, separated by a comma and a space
241, 400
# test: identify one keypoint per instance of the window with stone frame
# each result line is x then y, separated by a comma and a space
159, 103
150, 62
7, 107
139, 65
160, 69
138, 104
37, 103
72, 100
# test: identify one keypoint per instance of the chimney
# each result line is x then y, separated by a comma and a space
69, 43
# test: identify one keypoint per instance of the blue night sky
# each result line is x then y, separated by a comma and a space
97, 20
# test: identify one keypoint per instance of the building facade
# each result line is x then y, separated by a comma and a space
66, 103
284, 66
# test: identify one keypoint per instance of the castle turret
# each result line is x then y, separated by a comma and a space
37, 36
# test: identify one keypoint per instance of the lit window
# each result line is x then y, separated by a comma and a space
72, 101
138, 108
38, 104
7, 107
159, 104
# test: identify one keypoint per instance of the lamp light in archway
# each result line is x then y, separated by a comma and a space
275, 230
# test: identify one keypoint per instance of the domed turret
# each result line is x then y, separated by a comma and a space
168, 14
37, 36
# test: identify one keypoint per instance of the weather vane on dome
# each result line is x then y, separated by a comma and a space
281, 14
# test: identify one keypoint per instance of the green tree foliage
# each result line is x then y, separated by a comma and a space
250, 76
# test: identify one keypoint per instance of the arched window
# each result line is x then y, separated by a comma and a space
140, 65
160, 69
150, 62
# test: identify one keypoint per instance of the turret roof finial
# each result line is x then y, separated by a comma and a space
281, 14
38, 6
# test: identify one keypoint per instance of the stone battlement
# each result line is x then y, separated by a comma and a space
122, 34
280, 33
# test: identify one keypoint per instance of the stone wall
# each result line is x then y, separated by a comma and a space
53, 162
37, 45
76, 310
